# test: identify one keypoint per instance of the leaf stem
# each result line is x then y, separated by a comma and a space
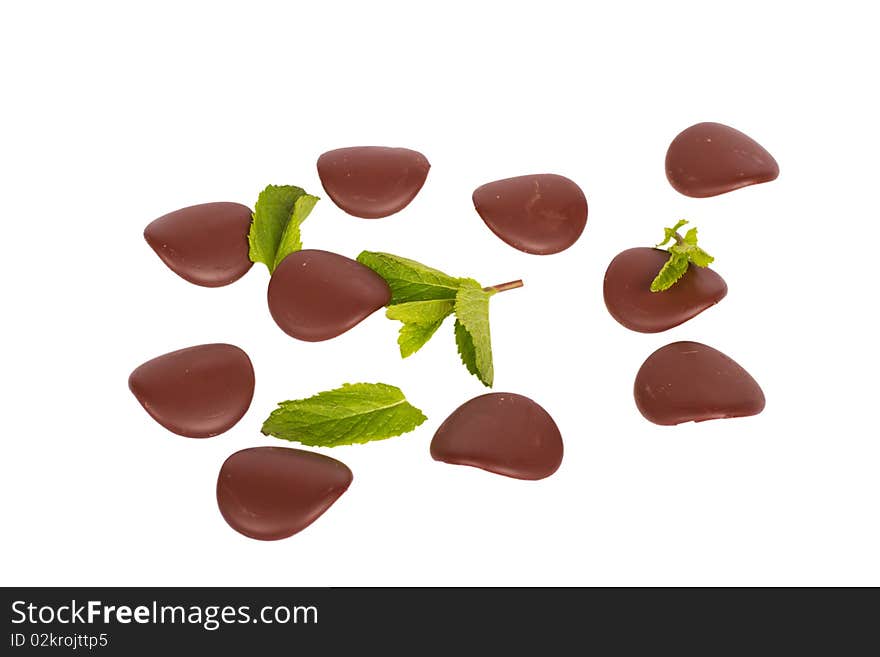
501, 287
678, 238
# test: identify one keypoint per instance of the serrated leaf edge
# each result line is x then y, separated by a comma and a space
341, 442
658, 284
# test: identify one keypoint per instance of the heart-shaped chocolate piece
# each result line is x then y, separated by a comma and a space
316, 295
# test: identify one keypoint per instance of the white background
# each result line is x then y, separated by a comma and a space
112, 116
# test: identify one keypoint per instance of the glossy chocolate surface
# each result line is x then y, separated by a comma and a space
539, 214
205, 244
628, 296
317, 295
196, 392
689, 381
501, 432
372, 181
708, 159
270, 493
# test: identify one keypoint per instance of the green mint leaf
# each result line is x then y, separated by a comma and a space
271, 215
693, 253
413, 337
410, 280
421, 319
679, 249
673, 270
699, 257
354, 413
275, 211
290, 238
422, 298
421, 312
472, 330
466, 349
690, 237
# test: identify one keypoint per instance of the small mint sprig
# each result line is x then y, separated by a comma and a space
683, 253
423, 297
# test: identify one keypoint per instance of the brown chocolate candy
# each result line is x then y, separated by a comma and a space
205, 244
196, 392
372, 181
630, 301
317, 295
708, 159
270, 493
503, 433
688, 381
540, 214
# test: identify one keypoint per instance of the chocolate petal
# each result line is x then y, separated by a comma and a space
205, 244
196, 392
317, 295
688, 381
540, 214
503, 433
708, 159
270, 493
629, 299
372, 181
